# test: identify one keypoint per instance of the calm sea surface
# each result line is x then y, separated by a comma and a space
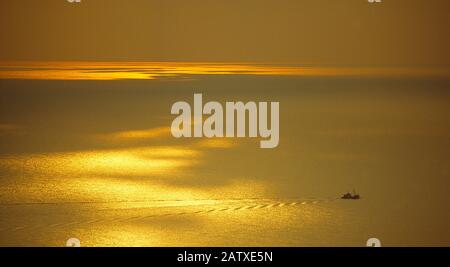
95, 160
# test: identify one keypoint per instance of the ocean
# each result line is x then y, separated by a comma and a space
95, 160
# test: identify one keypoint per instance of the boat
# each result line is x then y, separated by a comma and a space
350, 196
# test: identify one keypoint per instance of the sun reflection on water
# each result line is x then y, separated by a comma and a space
132, 161
76, 70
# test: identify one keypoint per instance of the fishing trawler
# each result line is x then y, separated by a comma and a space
350, 196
